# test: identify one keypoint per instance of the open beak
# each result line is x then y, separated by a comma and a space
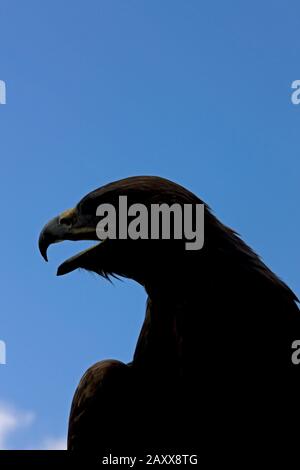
66, 226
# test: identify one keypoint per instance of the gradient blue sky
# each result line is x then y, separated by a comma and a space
199, 92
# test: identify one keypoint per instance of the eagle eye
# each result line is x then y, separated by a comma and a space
67, 218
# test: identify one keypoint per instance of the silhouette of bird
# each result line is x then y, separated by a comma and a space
212, 368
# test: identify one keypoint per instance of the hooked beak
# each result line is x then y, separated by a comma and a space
53, 232
66, 226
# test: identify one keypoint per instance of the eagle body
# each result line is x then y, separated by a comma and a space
212, 367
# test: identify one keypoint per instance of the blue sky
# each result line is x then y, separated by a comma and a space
199, 92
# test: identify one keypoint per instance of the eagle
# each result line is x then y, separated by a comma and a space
212, 369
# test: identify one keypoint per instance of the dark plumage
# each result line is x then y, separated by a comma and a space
212, 367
